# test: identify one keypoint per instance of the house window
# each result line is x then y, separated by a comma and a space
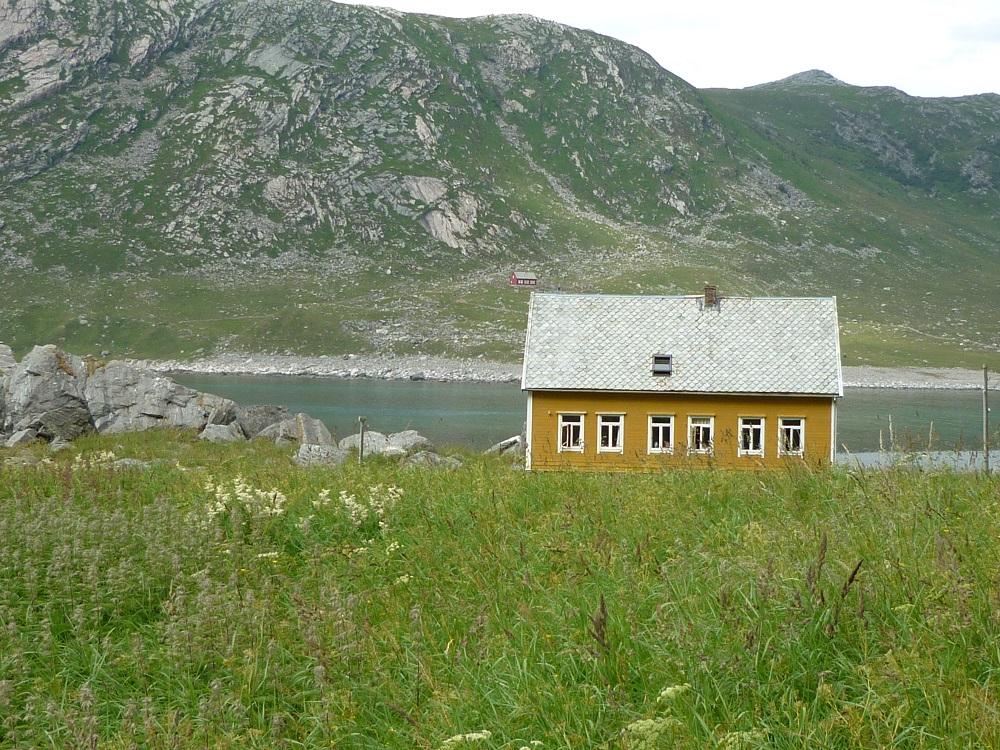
791, 436
700, 434
571, 432
609, 433
751, 436
661, 434
663, 364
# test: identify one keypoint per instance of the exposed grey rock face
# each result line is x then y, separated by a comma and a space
58, 396
299, 429
123, 398
7, 360
320, 455
429, 459
510, 445
45, 393
21, 437
409, 441
375, 442
160, 130
132, 463
59, 444
222, 433
253, 419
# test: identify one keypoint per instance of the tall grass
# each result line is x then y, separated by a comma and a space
175, 606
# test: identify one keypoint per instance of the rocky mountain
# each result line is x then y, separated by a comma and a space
187, 176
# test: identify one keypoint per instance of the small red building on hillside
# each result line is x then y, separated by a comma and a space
523, 278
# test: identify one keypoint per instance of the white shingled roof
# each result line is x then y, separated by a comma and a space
603, 342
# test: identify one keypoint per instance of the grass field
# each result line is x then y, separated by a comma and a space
225, 598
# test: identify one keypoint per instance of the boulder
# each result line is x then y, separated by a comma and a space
222, 433
45, 393
375, 442
132, 463
4, 426
59, 444
320, 455
512, 445
125, 398
223, 413
393, 451
410, 441
7, 361
299, 429
21, 437
253, 419
428, 458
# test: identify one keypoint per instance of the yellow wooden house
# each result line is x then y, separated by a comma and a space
620, 382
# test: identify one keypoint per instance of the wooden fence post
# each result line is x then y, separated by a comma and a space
986, 420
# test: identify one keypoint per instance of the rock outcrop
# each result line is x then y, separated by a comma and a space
301, 429
123, 398
512, 445
409, 441
223, 433
21, 437
375, 443
55, 396
7, 360
45, 393
320, 455
253, 419
430, 459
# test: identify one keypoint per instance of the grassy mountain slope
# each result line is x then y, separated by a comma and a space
186, 176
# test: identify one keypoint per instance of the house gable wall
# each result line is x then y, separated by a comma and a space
817, 411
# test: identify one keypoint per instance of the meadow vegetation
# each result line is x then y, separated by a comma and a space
222, 597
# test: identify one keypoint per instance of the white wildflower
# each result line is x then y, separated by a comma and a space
391, 547
357, 511
671, 692
324, 499
101, 458
267, 555
459, 739
256, 503
403, 579
742, 740
379, 502
645, 734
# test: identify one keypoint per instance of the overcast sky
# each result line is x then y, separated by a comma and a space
925, 47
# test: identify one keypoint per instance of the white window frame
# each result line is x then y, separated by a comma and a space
669, 448
601, 416
559, 432
739, 436
711, 431
802, 435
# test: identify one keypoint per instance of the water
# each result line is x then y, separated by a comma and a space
956, 417
474, 415
479, 414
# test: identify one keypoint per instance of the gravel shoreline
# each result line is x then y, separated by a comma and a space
385, 367
445, 369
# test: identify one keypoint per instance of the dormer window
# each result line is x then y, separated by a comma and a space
663, 364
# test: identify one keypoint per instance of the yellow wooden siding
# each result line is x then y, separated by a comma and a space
637, 407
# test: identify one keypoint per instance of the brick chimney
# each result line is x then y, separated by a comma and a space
711, 295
